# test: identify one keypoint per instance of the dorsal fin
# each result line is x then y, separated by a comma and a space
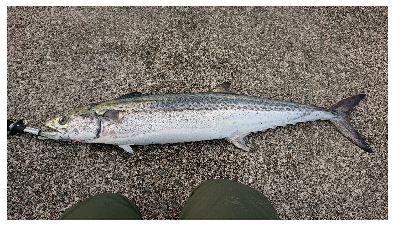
222, 88
130, 95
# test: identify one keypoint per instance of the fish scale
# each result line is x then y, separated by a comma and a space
136, 119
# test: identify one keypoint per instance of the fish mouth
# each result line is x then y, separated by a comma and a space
48, 129
51, 133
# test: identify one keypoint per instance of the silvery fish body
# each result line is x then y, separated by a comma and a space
137, 119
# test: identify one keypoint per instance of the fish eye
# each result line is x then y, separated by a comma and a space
62, 120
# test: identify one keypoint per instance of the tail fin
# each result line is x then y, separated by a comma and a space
342, 123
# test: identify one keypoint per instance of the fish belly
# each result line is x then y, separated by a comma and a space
161, 127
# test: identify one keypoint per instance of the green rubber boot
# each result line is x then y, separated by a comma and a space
226, 199
107, 206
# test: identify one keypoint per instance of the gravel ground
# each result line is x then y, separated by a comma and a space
60, 58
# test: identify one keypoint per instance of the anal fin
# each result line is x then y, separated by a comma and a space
238, 141
127, 148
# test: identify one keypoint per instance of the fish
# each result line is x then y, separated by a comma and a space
143, 119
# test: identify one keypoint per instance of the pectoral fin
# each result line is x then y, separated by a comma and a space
238, 141
112, 114
127, 148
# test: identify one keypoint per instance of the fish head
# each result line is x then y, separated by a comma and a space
75, 127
